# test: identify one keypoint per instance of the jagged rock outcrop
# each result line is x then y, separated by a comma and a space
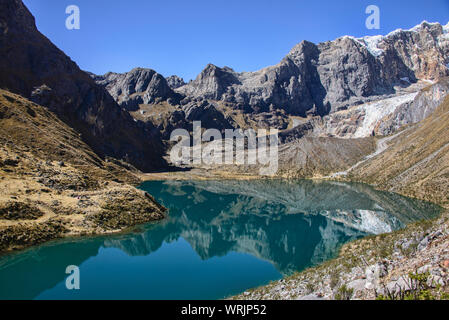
30, 65
139, 86
212, 83
175, 82
184, 116
324, 78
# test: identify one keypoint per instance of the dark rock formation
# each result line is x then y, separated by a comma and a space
203, 111
139, 86
33, 67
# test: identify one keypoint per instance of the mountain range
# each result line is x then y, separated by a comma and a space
332, 102
311, 87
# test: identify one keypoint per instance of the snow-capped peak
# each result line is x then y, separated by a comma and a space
446, 28
372, 44
392, 33
419, 26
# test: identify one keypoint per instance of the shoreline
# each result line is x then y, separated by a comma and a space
272, 290
80, 237
372, 268
359, 279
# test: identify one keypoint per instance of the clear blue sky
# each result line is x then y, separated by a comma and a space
181, 37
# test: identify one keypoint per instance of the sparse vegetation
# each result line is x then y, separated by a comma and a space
53, 185
417, 288
344, 293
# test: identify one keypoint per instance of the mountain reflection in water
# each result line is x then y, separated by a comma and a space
220, 238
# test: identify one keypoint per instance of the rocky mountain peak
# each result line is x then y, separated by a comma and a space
301, 51
174, 82
211, 83
138, 86
333, 75
30, 65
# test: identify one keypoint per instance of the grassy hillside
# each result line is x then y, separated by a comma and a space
52, 184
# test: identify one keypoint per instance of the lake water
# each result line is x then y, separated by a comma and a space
220, 238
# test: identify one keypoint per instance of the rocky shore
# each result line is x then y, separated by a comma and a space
409, 264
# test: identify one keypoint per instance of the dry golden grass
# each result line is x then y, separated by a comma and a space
46, 168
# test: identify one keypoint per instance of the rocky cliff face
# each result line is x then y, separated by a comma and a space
184, 116
378, 118
175, 82
33, 67
320, 79
139, 86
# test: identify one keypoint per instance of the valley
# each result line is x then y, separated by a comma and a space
362, 154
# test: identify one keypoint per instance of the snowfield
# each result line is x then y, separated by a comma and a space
376, 111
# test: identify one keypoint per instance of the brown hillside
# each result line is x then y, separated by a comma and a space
53, 185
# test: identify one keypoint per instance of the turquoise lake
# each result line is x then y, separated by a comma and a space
220, 238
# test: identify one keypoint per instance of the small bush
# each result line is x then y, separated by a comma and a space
344, 293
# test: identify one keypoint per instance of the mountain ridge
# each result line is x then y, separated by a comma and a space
304, 72
320, 79
30, 65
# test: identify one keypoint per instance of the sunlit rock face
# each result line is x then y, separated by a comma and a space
175, 82
324, 78
381, 117
139, 86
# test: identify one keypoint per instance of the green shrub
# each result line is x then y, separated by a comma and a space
344, 293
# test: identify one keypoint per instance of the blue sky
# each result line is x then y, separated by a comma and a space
181, 37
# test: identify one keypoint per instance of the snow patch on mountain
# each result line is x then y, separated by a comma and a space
376, 111
372, 44
419, 26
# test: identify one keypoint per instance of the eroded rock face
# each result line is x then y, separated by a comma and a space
184, 117
139, 86
424, 50
324, 78
30, 65
175, 82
